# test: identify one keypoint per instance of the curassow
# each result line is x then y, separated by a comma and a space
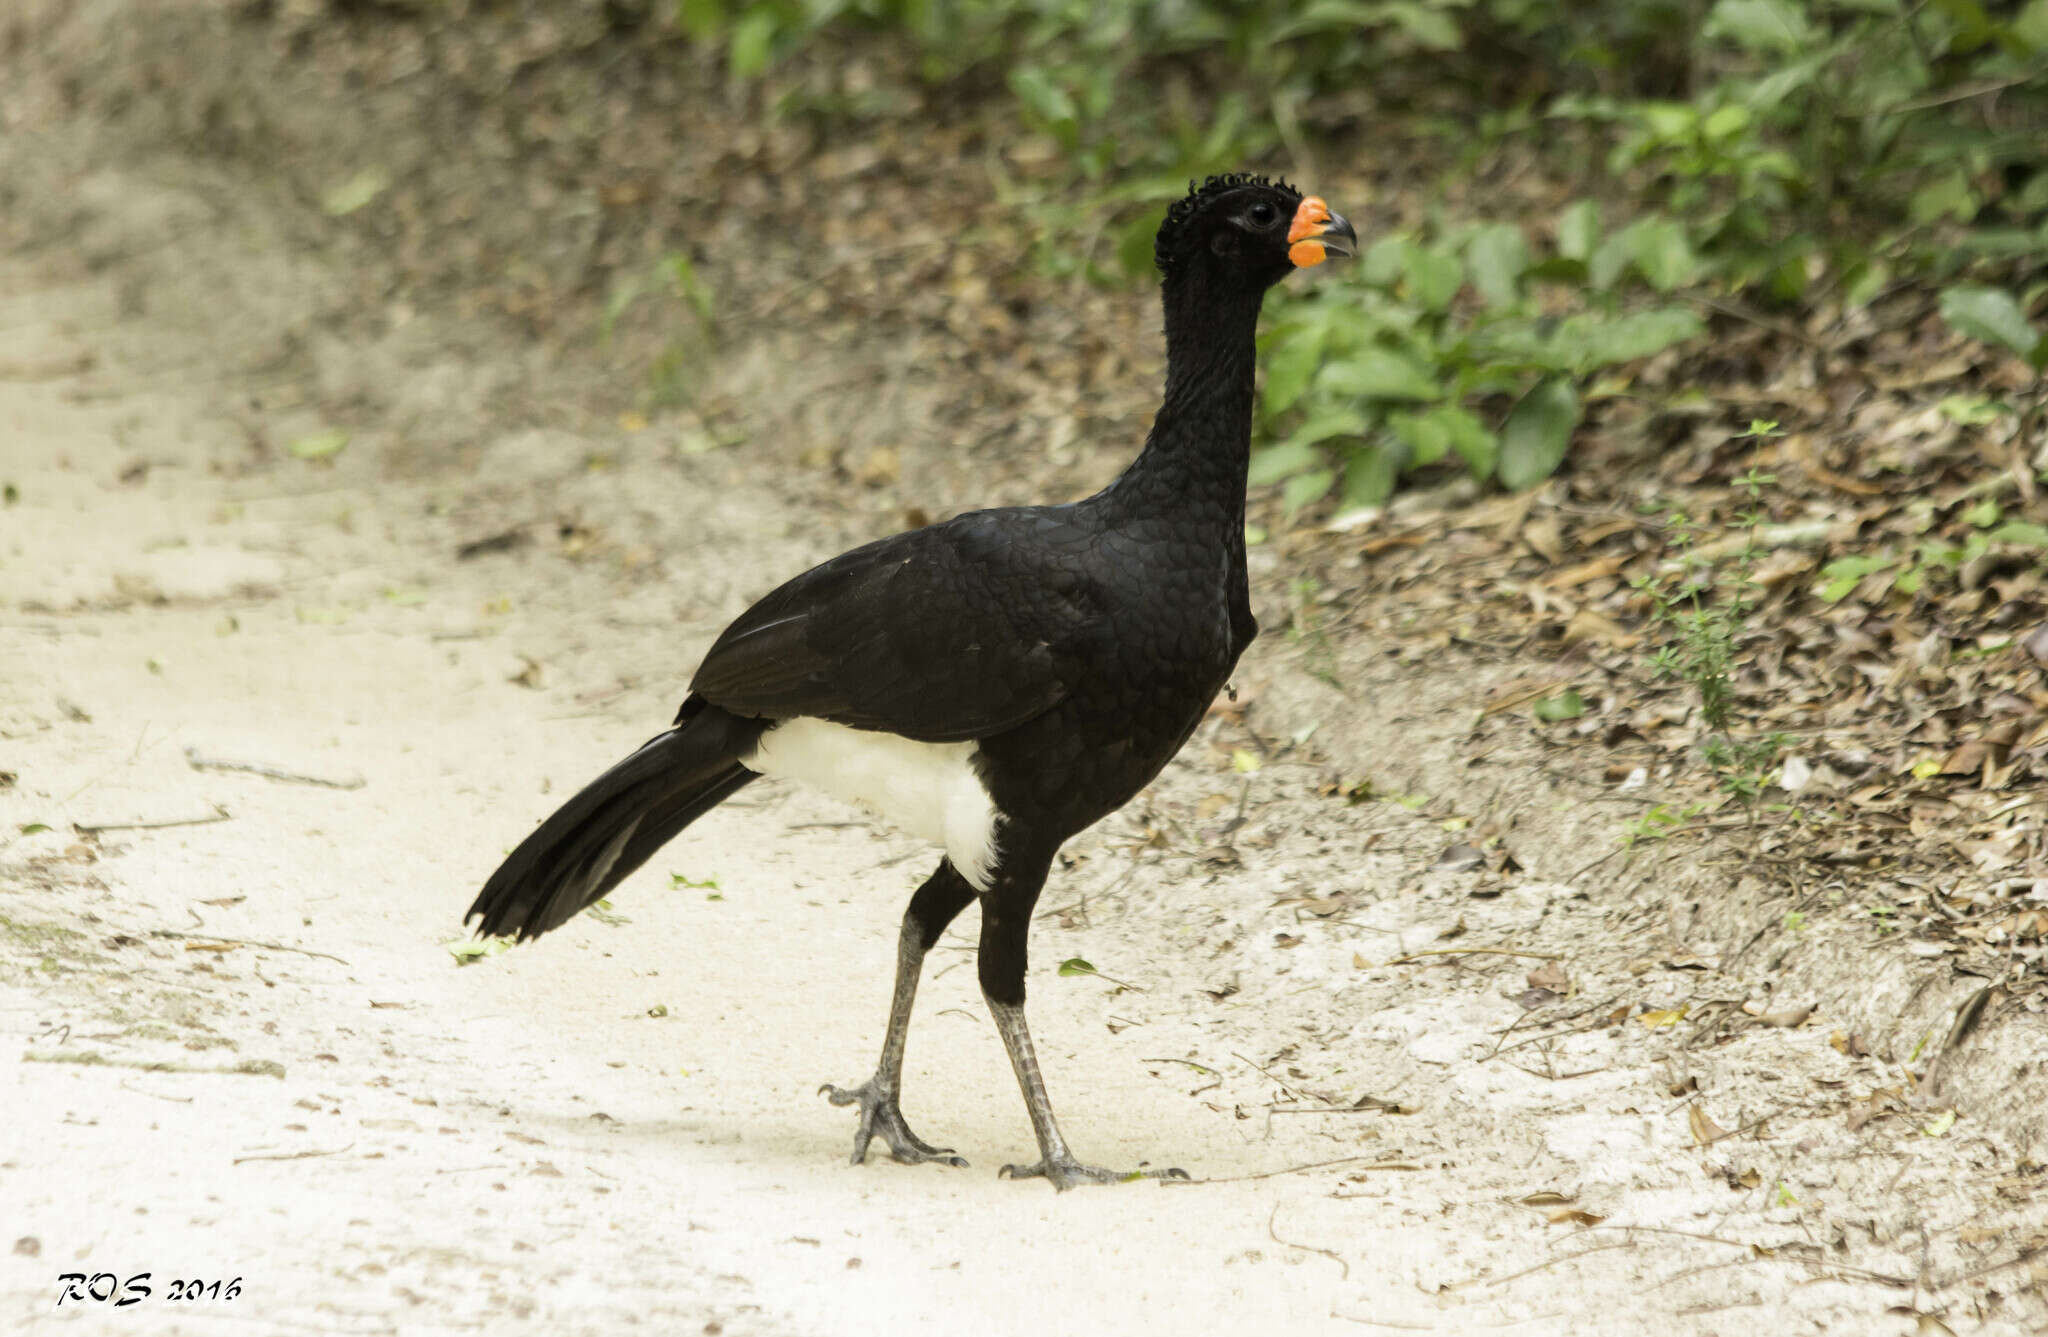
996, 682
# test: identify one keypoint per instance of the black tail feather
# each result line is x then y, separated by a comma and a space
615, 824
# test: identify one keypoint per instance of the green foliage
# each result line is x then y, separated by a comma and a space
1435, 350
1797, 151
1834, 144
1908, 572
1076, 68
1996, 317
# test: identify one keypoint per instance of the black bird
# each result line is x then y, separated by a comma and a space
996, 682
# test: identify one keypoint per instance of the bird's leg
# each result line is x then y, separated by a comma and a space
1004, 925
944, 894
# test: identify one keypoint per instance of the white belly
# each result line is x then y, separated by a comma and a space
929, 789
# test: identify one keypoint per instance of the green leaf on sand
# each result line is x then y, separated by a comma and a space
318, 446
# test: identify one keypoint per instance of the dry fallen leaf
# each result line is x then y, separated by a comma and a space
1574, 1216
1588, 571
882, 467
1545, 536
1588, 625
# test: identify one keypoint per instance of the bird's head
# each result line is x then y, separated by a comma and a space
1248, 230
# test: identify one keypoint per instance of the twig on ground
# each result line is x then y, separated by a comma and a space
1376, 1106
220, 814
1791, 1251
1384, 1323
199, 763
1412, 957
1502, 1038
1601, 1024
1283, 1084
1330, 1254
2023, 1256
1584, 869
1546, 1263
1298, 1169
1081, 906
291, 1156
92, 1058
1752, 1124
1466, 1324
243, 942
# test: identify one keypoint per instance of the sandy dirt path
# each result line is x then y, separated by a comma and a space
239, 1049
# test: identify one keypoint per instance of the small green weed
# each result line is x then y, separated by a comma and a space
1706, 616
1311, 632
1659, 822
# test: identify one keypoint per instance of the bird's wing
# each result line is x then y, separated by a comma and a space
960, 630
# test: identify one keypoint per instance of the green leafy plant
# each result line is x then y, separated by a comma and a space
1836, 143
671, 378
1439, 348
1705, 615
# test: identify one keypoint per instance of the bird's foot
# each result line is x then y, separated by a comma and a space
879, 1114
1065, 1172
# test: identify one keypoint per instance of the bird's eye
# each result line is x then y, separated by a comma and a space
1262, 214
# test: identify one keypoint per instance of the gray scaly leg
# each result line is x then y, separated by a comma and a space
944, 894
1005, 920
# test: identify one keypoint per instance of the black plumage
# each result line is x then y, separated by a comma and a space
1055, 656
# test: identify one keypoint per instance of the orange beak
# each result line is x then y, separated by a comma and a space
1317, 234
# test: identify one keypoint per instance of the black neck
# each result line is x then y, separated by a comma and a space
1194, 459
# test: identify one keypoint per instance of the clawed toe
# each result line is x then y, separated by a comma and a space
1067, 1173
879, 1114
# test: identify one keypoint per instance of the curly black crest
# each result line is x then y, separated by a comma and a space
1197, 199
